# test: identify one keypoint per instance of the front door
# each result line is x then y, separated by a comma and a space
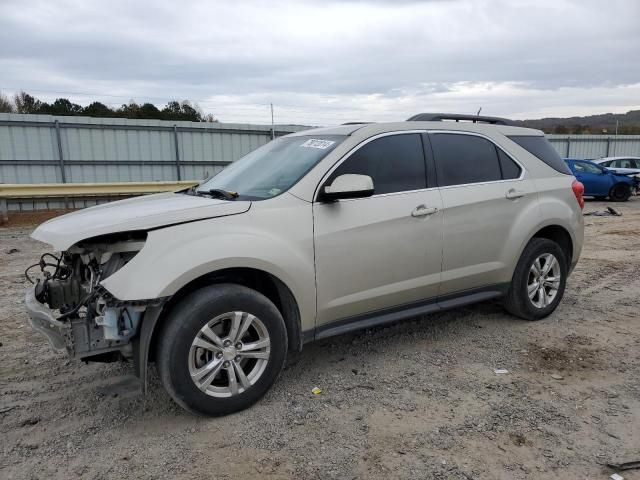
385, 250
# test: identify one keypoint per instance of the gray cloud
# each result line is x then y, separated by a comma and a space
327, 60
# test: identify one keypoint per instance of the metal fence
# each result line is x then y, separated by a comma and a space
595, 146
49, 149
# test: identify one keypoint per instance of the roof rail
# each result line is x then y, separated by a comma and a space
356, 123
438, 117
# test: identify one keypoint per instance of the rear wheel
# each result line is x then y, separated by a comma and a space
221, 349
620, 192
539, 280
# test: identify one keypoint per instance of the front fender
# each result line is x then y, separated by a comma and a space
278, 241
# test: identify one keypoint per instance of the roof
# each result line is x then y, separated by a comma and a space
617, 158
338, 130
368, 129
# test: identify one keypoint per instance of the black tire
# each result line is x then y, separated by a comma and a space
182, 326
517, 301
620, 192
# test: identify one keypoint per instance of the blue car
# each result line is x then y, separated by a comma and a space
601, 183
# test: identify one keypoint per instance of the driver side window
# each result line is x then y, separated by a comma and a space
587, 168
395, 163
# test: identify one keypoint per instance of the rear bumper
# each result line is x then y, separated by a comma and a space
42, 320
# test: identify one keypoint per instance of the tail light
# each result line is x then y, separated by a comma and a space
578, 191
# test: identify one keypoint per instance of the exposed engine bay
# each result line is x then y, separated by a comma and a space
88, 321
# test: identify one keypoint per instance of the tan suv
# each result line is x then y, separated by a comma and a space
315, 234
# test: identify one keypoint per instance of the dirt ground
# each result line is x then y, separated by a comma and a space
419, 399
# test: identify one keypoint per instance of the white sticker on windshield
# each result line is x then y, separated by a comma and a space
316, 143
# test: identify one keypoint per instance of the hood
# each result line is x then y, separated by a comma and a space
139, 213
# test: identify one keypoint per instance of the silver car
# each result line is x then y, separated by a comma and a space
621, 165
314, 234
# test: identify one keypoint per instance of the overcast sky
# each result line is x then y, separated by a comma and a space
327, 62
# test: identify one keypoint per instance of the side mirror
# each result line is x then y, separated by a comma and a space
348, 186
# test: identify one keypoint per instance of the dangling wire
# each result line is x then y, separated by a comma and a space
59, 272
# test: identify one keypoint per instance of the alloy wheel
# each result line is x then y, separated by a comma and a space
544, 280
229, 354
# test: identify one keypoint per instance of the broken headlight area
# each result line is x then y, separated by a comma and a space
75, 311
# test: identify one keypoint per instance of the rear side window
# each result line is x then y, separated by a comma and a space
624, 163
462, 159
510, 169
395, 163
540, 147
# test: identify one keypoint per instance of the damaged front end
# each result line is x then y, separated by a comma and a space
69, 306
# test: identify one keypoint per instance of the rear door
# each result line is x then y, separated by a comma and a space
385, 250
484, 191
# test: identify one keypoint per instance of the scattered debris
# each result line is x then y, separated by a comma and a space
624, 466
500, 371
9, 251
615, 476
316, 391
518, 439
605, 213
557, 376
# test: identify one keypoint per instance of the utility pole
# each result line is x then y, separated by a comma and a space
273, 131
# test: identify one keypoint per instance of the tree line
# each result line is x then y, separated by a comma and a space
22, 102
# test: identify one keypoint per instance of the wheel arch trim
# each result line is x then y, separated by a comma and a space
286, 303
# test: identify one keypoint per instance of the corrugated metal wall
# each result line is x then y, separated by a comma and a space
595, 146
33, 148
48, 149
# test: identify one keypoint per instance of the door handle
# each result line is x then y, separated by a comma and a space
512, 194
423, 210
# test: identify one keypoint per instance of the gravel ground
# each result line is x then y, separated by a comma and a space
418, 399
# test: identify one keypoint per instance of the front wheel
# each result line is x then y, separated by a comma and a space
221, 348
539, 280
620, 192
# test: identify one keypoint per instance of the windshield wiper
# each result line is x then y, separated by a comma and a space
219, 193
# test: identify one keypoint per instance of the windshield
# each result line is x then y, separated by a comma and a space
273, 168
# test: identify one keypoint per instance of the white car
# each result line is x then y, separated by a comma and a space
621, 165
315, 234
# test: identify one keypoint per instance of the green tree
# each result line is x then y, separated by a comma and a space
25, 103
175, 110
61, 106
148, 110
97, 109
129, 110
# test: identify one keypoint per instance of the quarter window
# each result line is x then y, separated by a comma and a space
510, 169
395, 163
462, 159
